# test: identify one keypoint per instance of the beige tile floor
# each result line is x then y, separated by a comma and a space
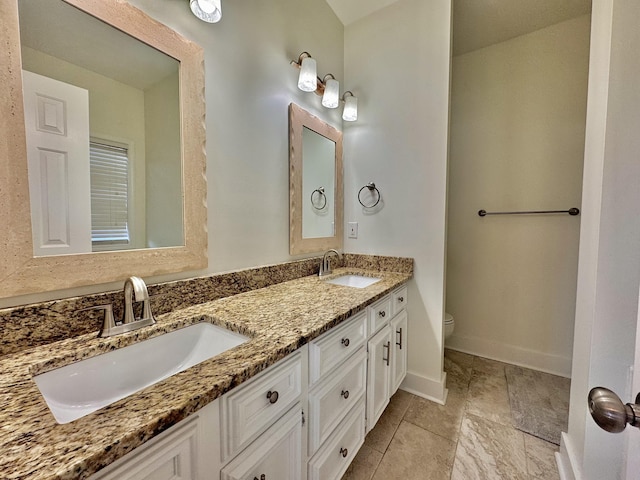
471, 438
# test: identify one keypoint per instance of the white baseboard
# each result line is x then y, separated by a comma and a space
536, 360
424, 387
568, 467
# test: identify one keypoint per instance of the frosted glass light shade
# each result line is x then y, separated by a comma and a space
307, 81
207, 10
330, 99
350, 112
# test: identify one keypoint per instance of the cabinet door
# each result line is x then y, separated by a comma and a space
399, 349
274, 455
378, 375
172, 457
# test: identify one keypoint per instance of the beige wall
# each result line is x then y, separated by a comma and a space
398, 60
517, 143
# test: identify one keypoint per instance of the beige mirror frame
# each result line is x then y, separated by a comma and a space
21, 272
298, 119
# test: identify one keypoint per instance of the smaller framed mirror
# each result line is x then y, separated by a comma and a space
315, 184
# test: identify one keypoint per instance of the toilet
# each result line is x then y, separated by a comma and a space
448, 325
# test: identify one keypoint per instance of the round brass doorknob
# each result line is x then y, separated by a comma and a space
610, 413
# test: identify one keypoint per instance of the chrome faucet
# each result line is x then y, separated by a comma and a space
325, 265
134, 289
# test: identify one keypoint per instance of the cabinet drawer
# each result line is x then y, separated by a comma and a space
379, 313
334, 397
248, 410
276, 454
332, 348
398, 300
336, 454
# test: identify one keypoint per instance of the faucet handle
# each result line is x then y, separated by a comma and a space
108, 321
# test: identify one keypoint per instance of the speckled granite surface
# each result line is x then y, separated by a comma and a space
42, 323
279, 319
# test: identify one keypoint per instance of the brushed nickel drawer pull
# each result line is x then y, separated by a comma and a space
272, 396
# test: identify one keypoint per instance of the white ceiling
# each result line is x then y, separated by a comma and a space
480, 23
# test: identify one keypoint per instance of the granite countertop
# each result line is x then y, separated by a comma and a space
278, 319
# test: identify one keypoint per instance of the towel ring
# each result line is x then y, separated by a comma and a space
322, 195
371, 186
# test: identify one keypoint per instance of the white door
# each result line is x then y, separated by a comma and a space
57, 131
605, 343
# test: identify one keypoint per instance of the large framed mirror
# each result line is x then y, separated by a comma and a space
102, 164
315, 184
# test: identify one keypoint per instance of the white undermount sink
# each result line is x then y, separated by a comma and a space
357, 281
83, 387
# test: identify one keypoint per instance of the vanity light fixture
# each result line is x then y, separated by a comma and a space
350, 112
207, 10
328, 87
331, 97
308, 79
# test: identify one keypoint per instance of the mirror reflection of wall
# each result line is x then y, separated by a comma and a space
131, 195
318, 185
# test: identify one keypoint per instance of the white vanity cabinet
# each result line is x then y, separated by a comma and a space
387, 350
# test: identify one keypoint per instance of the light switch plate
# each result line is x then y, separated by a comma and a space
353, 229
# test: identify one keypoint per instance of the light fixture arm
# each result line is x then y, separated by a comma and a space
345, 94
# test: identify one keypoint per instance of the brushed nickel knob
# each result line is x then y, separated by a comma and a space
382, 313
345, 394
344, 452
345, 342
610, 413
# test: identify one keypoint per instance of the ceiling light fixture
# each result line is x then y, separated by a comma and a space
209, 11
